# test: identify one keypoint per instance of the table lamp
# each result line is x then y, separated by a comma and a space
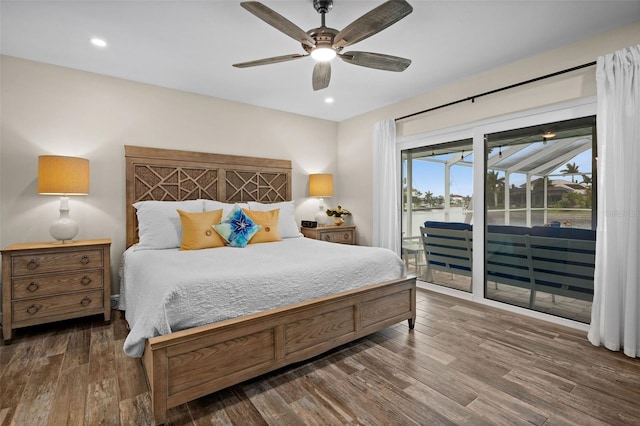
63, 176
321, 185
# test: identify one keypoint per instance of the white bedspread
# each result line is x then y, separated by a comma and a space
164, 291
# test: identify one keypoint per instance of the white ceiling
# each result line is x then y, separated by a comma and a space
190, 45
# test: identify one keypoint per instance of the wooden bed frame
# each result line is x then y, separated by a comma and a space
189, 364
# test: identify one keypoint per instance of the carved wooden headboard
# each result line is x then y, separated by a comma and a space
173, 175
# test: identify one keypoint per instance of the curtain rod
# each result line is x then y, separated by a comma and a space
522, 83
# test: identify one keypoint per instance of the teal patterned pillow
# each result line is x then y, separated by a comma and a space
237, 228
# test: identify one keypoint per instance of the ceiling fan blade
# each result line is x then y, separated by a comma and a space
278, 22
267, 61
321, 75
378, 61
372, 22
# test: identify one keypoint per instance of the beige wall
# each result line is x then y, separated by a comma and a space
355, 158
48, 109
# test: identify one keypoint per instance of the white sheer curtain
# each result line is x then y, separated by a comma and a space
615, 315
386, 222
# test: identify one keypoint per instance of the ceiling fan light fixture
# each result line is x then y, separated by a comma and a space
324, 43
98, 42
323, 54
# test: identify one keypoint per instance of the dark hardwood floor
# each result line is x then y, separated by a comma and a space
462, 364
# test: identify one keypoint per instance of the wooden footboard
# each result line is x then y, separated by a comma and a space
189, 364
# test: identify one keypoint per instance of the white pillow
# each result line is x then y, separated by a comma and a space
211, 205
287, 225
159, 223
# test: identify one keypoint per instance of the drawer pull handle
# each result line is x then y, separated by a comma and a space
33, 286
85, 280
33, 264
346, 236
86, 301
32, 309
327, 237
84, 260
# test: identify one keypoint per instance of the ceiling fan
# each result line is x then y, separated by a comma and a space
324, 43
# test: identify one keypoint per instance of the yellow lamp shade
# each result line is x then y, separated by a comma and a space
63, 175
321, 185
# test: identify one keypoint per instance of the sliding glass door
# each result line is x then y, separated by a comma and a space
540, 217
505, 210
437, 202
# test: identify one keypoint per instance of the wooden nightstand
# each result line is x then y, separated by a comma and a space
342, 234
46, 282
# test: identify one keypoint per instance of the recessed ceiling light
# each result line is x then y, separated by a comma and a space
98, 42
328, 100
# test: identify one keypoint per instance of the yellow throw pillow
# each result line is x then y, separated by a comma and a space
197, 231
269, 222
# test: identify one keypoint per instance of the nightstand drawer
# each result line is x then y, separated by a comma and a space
56, 262
344, 237
46, 285
76, 303
333, 234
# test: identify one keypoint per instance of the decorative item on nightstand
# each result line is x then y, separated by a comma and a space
63, 176
337, 214
321, 185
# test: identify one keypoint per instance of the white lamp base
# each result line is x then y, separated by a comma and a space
321, 216
64, 228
